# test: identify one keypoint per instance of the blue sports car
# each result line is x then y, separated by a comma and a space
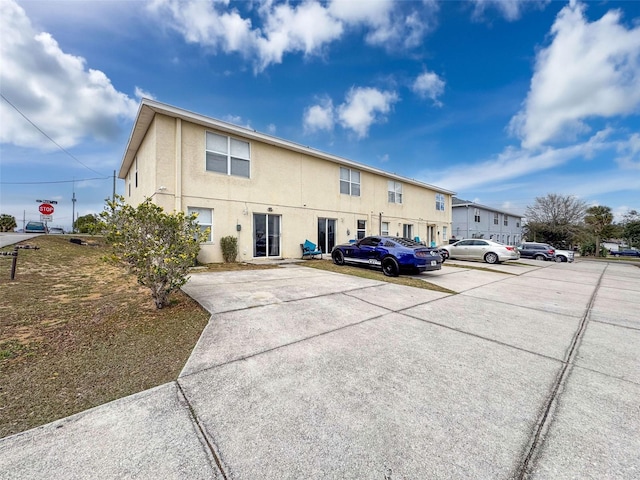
392, 254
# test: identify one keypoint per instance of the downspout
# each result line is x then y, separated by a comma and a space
178, 161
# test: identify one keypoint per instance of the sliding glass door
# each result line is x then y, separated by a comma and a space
326, 234
266, 235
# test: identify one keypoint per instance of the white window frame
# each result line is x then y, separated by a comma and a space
476, 215
348, 179
440, 202
384, 229
202, 224
506, 220
445, 236
135, 161
496, 218
394, 190
361, 231
228, 155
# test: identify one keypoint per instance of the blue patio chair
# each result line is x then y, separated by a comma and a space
310, 250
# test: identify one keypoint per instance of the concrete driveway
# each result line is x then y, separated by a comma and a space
532, 372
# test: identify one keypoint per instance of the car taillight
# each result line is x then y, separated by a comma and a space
510, 248
551, 252
428, 253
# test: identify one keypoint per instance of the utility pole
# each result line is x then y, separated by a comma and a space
73, 208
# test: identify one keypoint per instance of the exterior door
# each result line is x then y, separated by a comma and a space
326, 234
266, 235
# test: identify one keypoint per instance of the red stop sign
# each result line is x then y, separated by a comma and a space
46, 208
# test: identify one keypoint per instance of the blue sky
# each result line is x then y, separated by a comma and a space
500, 101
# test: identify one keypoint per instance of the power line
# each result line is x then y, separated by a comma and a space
58, 181
43, 133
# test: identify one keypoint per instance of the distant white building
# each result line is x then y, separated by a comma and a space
472, 220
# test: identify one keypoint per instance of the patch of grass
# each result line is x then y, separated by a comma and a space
373, 274
76, 332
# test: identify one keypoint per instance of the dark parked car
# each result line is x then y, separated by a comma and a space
625, 253
537, 251
35, 227
392, 254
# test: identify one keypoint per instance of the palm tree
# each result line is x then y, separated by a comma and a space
598, 220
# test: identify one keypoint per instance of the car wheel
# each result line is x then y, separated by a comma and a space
390, 267
491, 258
338, 257
560, 259
444, 254
539, 257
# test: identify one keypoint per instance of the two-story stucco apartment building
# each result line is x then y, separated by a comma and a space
472, 220
270, 193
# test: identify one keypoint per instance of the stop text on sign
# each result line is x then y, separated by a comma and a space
46, 208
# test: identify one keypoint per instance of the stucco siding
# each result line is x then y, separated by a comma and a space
285, 184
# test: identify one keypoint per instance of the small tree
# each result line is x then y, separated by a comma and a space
7, 222
88, 223
229, 247
598, 220
158, 247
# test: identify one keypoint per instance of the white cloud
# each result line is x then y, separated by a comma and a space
364, 107
429, 85
286, 28
199, 22
140, 94
305, 28
589, 70
319, 117
630, 153
55, 90
511, 10
514, 163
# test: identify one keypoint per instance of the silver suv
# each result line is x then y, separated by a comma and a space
537, 251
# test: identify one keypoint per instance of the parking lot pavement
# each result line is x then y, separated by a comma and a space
308, 374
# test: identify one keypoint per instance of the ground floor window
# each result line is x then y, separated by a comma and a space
205, 220
407, 230
445, 234
266, 235
326, 234
362, 229
384, 228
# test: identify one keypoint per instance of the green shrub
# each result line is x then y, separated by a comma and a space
158, 247
229, 247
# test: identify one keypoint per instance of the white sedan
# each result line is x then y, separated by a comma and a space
480, 249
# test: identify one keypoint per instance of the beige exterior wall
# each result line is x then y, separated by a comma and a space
299, 188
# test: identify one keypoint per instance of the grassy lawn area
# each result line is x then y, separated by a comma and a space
76, 332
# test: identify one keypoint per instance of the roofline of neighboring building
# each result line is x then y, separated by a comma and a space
148, 108
464, 203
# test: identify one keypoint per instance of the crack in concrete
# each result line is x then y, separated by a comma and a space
201, 430
546, 418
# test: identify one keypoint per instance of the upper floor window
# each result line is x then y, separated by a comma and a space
228, 155
506, 221
518, 224
476, 215
136, 167
495, 219
349, 182
440, 201
395, 191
